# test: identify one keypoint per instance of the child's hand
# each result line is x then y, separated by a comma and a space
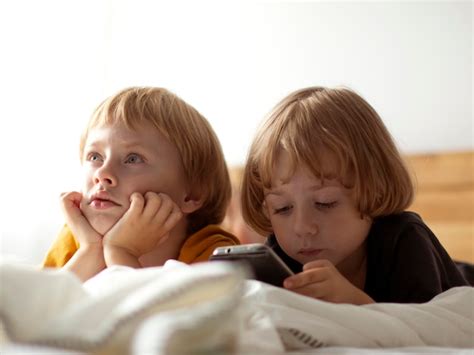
320, 279
77, 222
88, 260
147, 222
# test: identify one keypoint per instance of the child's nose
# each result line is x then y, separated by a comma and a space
305, 224
105, 176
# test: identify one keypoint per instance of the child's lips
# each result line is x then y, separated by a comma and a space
310, 252
102, 200
102, 203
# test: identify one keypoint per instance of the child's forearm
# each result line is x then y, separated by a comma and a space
115, 255
87, 261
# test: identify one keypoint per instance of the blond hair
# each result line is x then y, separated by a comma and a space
198, 146
315, 121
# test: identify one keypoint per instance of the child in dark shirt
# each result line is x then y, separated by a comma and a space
324, 178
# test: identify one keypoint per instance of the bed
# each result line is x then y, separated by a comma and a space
212, 308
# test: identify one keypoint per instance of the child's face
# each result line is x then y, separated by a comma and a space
312, 221
118, 161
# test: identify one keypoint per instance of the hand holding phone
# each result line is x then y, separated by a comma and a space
264, 263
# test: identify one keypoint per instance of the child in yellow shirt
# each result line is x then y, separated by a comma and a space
155, 187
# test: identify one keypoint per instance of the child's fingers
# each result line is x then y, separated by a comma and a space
72, 196
319, 290
153, 203
70, 202
305, 278
137, 203
165, 210
317, 263
173, 219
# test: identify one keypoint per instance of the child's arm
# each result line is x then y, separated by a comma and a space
146, 223
88, 259
320, 279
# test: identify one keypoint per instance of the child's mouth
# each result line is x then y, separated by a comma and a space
102, 204
310, 252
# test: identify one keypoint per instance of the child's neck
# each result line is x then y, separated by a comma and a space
168, 249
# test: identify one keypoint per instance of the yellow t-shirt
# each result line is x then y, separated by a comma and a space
197, 247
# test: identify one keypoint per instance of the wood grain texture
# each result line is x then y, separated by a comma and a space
445, 198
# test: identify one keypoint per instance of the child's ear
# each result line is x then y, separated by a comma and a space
191, 203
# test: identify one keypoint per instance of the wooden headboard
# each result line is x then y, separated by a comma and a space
445, 198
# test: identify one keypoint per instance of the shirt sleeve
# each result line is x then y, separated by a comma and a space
62, 249
200, 246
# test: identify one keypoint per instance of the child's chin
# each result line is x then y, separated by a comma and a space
102, 225
101, 222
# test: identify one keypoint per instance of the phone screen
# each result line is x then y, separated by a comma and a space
264, 263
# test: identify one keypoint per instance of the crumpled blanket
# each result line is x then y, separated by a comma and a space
210, 308
301, 322
165, 310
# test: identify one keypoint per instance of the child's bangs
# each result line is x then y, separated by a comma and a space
308, 144
125, 112
323, 157
125, 109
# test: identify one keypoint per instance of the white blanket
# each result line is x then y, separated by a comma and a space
210, 307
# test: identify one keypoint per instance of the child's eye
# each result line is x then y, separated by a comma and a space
94, 157
325, 205
133, 159
282, 210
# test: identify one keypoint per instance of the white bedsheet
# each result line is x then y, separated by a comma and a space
210, 307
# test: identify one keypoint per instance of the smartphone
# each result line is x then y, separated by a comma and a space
263, 262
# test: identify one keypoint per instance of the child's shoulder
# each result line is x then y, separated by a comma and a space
212, 231
200, 245
400, 223
401, 231
404, 253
